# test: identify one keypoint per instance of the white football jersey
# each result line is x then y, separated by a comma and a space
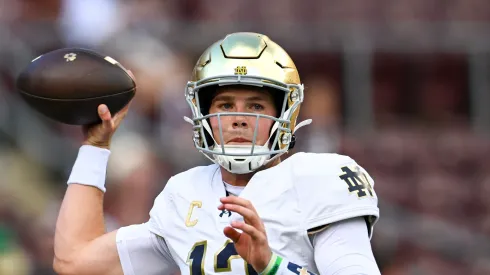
301, 193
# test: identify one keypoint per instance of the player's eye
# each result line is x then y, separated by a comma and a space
257, 107
225, 106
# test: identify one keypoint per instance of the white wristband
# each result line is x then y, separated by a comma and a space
90, 167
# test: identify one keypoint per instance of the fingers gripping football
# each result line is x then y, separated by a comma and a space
100, 135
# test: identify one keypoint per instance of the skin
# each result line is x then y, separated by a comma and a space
83, 247
242, 99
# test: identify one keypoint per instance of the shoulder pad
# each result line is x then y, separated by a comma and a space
333, 187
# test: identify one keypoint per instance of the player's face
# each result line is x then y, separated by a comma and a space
240, 129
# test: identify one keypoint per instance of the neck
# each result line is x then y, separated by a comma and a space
243, 179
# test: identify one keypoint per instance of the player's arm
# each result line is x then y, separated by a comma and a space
344, 248
336, 197
81, 247
341, 248
342, 225
143, 252
81, 244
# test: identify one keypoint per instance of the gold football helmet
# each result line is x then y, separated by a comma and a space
245, 59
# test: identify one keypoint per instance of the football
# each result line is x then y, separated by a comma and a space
67, 85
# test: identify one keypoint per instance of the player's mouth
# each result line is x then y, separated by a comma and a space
239, 140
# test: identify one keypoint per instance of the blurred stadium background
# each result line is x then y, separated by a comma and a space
402, 86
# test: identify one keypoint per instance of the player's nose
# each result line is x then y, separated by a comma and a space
240, 122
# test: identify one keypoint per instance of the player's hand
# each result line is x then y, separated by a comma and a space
252, 245
100, 135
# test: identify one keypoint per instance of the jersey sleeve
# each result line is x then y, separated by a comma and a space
143, 252
162, 207
344, 248
333, 188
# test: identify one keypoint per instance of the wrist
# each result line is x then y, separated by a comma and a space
266, 261
273, 266
101, 145
281, 266
90, 167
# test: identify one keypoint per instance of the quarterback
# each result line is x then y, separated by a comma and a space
248, 212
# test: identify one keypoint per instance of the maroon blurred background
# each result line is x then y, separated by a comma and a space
402, 86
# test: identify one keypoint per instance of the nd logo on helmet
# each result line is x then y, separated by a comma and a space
241, 70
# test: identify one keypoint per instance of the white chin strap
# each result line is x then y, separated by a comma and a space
237, 164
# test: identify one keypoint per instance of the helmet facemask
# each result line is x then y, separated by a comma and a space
242, 159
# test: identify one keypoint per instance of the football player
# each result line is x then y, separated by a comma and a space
249, 212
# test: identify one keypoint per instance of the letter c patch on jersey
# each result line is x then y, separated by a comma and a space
188, 221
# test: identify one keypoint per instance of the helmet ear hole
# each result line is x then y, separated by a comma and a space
292, 142
209, 139
206, 96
